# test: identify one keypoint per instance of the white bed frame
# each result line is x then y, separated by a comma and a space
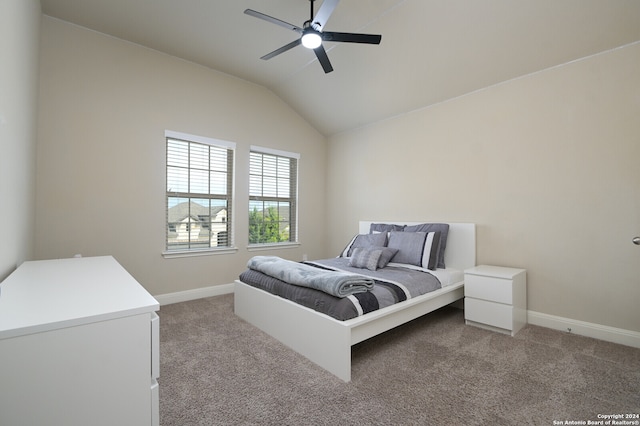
327, 341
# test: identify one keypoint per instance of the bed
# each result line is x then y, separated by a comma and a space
327, 341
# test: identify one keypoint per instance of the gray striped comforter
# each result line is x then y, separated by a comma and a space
391, 285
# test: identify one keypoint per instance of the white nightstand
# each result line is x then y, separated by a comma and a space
496, 298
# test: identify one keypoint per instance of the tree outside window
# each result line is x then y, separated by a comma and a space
272, 197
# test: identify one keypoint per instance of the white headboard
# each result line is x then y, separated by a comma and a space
461, 242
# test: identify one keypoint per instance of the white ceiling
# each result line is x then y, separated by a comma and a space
431, 50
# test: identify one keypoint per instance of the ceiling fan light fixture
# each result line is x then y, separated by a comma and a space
311, 34
311, 40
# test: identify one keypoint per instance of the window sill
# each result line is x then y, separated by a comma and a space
272, 246
193, 253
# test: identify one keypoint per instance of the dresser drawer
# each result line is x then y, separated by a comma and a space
488, 288
155, 346
490, 313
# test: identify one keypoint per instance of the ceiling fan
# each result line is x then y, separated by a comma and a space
312, 36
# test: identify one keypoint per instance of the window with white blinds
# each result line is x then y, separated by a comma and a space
199, 193
273, 196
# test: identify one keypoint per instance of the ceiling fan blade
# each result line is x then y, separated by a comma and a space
352, 37
321, 54
325, 11
282, 49
273, 20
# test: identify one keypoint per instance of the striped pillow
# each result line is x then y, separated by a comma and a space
443, 228
415, 248
362, 257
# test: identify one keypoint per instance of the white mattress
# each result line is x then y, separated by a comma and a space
448, 276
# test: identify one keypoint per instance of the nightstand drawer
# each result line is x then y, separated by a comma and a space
488, 288
490, 313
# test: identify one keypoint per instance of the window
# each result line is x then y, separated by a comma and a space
199, 193
273, 196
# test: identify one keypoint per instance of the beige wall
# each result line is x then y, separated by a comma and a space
547, 166
104, 107
19, 38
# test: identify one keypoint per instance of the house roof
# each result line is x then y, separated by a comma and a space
196, 211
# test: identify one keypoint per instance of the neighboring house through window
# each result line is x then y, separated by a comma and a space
273, 196
199, 192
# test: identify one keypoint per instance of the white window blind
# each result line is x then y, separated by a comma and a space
199, 192
273, 196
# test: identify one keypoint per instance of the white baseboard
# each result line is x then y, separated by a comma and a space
582, 328
197, 293
597, 331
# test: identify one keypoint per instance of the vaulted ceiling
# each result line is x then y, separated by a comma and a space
431, 50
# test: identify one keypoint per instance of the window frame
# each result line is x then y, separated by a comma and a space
293, 199
229, 197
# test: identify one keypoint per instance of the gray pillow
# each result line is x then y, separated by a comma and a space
443, 228
415, 248
384, 227
365, 258
364, 240
386, 256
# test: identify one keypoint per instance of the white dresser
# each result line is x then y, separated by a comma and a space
496, 298
79, 345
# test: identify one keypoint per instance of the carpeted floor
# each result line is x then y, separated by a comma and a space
218, 370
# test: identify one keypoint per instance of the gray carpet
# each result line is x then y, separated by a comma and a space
218, 370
